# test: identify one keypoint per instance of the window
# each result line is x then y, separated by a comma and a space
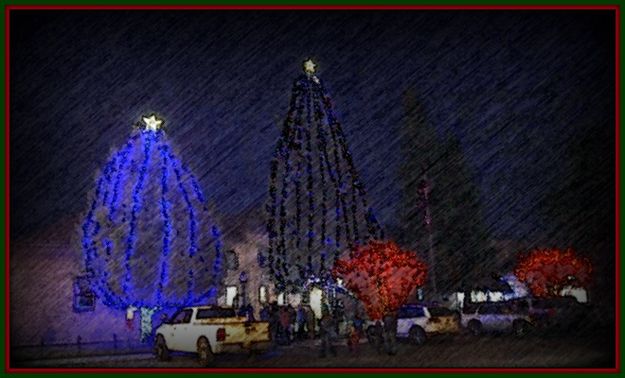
232, 260
262, 294
410, 312
469, 308
182, 317
231, 295
490, 309
440, 311
207, 313
84, 297
281, 299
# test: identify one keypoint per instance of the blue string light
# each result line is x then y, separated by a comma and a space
142, 175
166, 224
123, 158
136, 208
311, 158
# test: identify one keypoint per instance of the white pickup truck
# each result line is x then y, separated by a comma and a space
210, 330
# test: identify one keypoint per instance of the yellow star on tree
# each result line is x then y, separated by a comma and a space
309, 66
152, 123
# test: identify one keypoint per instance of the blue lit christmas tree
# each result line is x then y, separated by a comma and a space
317, 207
147, 238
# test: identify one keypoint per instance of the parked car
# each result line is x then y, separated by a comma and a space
496, 317
418, 322
210, 330
560, 313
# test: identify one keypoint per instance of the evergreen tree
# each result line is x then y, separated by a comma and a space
457, 237
420, 149
147, 237
579, 207
460, 235
317, 207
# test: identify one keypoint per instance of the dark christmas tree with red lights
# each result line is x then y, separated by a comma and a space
317, 206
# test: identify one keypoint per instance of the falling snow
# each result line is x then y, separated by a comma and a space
527, 98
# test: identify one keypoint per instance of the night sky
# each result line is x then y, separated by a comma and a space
517, 88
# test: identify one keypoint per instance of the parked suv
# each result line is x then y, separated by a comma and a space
496, 317
417, 322
561, 313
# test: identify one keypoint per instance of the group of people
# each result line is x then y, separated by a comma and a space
384, 338
287, 323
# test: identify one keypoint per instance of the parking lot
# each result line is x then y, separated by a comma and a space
589, 350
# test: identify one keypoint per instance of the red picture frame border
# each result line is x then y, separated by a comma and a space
615, 8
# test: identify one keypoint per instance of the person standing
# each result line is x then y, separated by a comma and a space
300, 320
264, 313
355, 334
390, 334
327, 330
291, 311
249, 312
274, 323
310, 322
285, 323
378, 336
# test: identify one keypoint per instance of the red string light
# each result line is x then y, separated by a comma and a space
547, 271
381, 275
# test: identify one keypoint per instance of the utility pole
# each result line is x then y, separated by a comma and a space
425, 188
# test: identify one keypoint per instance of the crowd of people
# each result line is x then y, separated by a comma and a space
289, 324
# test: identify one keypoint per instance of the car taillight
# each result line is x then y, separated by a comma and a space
221, 334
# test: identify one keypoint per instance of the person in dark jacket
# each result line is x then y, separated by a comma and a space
378, 336
355, 333
285, 325
242, 311
249, 313
327, 332
264, 313
390, 334
274, 323
310, 322
300, 320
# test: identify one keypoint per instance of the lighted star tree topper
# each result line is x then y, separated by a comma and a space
147, 238
317, 207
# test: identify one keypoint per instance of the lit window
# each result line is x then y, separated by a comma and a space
281, 299
262, 294
231, 294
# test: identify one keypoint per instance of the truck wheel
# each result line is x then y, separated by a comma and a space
162, 353
205, 354
475, 327
417, 335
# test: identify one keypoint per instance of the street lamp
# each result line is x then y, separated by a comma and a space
243, 281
